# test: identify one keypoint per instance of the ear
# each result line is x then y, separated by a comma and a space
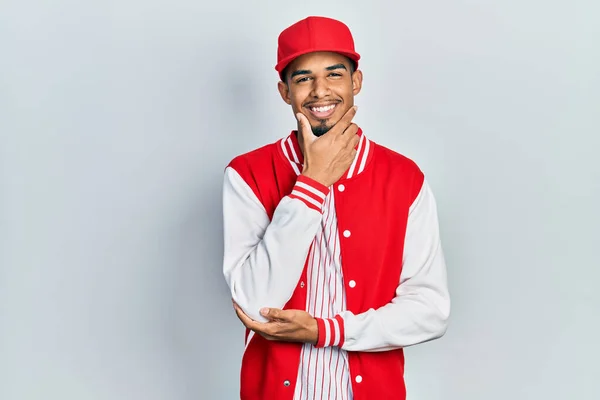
284, 91
357, 78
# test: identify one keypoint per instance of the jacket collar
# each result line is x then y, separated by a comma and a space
291, 151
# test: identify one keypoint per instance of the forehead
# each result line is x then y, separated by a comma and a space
317, 61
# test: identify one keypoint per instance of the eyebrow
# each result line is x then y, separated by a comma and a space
306, 71
336, 66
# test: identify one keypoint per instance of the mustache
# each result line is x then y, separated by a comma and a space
310, 103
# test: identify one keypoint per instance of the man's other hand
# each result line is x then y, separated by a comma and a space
282, 325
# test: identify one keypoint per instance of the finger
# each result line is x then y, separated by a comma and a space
271, 313
350, 157
240, 314
268, 337
346, 120
351, 131
355, 139
246, 320
305, 128
303, 121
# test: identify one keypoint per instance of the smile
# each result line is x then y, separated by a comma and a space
322, 112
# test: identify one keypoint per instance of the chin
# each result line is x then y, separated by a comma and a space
321, 129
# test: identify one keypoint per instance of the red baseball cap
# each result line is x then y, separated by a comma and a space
314, 34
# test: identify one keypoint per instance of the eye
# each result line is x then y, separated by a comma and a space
335, 74
302, 79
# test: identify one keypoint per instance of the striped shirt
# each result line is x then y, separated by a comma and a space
323, 372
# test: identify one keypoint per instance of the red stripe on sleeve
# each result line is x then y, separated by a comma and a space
332, 330
321, 334
310, 192
342, 332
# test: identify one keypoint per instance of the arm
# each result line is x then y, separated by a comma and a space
263, 260
421, 307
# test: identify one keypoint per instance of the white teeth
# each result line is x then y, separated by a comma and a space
323, 109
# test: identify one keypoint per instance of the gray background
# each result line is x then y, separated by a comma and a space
118, 117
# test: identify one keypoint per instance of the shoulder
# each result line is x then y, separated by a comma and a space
260, 164
398, 169
395, 160
262, 169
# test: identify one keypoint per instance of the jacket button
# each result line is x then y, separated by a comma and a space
351, 283
341, 188
302, 284
346, 233
286, 383
358, 379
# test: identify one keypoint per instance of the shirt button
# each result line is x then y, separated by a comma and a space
346, 233
351, 283
358, 379
341, 188
286, 383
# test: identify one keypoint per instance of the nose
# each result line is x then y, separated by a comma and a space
320, 88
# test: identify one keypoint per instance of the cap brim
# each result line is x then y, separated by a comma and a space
286, 61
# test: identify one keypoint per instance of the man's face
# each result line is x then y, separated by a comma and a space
322, 87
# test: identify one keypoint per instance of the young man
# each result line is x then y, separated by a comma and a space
332, 246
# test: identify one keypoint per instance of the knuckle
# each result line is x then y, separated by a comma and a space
271, 331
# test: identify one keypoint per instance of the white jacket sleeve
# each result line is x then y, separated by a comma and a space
420, 310
263, 259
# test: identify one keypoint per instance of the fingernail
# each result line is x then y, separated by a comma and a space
264, 311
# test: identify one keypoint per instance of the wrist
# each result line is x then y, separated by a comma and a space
310, 192
313, 330
316, 177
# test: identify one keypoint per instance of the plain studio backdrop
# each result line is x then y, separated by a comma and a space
117, 119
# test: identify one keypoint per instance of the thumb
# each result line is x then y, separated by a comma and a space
304, 127
270, 313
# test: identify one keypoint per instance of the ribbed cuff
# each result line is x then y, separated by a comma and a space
331, 332
309, 191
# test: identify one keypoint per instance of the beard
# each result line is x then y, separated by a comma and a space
321, 129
